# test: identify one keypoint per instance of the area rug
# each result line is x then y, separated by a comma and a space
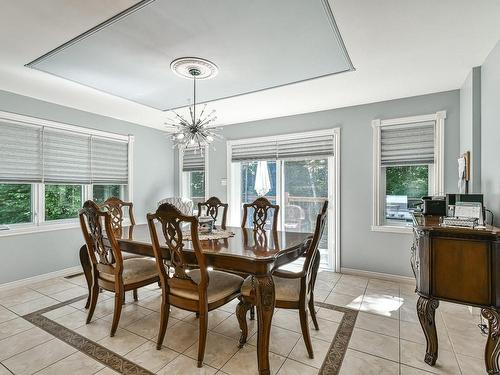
331, 364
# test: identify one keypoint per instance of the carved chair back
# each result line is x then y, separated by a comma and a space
261, 208
311, 263
171, 221
115, 208
105, 255
212, 206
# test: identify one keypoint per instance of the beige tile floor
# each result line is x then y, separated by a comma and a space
387, 338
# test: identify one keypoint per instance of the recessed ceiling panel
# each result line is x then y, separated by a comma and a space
256, 45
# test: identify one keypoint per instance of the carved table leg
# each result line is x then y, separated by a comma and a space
87, 270
492, 350
426, 310
264, 286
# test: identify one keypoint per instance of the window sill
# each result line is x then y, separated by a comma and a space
20, 230
392, 229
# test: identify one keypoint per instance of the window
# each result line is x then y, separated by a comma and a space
49, 169
102, 192
301, 172
408, 164
15, 204
193, 165
62, 201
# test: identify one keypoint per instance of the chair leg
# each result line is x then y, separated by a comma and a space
164, 314
136, 297
312, 311
304, 326
94, 293
241, 314
252, 313
119, 297
202, 337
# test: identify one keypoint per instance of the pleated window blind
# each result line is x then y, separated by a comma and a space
408, 144
193, 160
305, 147
38, 154
20, 153
109, 161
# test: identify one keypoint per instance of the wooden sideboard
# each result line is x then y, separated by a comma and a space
459, 265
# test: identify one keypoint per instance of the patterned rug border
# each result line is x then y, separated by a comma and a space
335, 355
91, 348
331, 364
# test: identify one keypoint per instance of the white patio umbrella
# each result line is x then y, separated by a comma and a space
262, 182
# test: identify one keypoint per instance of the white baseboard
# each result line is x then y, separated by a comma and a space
38, 278
378, 275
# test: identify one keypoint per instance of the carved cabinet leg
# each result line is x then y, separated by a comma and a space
426, 310
265, 309
492, 350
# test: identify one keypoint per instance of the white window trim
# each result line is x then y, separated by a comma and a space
438, 179
333, 183
39, 224
206, 171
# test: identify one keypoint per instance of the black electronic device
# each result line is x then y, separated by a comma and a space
434, 206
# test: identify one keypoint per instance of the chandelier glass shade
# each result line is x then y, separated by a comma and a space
196, 130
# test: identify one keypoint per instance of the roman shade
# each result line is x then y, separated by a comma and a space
109, 161
193, 160
20, 153
66, 157
42, 154
303, 147
407, 144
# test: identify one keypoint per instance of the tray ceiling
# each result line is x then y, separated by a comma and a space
256, 45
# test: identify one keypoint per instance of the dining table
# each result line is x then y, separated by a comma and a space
247, 252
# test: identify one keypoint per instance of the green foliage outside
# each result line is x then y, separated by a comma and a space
103, 192
15, 203
412, 181
62, 201
198, 184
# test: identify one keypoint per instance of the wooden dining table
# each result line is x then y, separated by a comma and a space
250, 252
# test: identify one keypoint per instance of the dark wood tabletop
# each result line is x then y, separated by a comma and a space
247, 251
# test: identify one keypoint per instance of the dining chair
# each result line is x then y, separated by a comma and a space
198, 290
115, 207
261, 209
182, 204
293, 290
212, 206
109, 270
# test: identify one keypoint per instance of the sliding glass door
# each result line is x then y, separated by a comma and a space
305, 185
299, 187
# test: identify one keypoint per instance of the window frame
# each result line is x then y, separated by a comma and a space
438, 170
181, 179
38, 223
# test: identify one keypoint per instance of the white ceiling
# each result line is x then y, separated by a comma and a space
130, 55
399, 48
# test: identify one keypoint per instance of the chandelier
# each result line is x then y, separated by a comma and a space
194, 131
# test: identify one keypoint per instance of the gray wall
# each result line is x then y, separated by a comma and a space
490, 131
470, 125
33, 254
360, 247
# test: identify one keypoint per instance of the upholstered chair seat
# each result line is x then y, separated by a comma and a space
284, 289
135, 270
221, 285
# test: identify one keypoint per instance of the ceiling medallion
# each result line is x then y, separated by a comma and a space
184, 65
194, 132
